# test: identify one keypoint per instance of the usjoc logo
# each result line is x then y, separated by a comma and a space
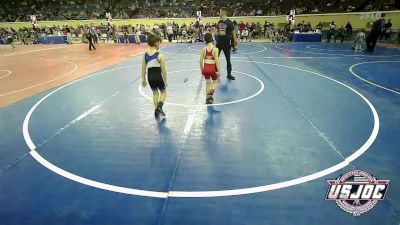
356, 191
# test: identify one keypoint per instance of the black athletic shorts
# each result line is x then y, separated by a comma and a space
155, 79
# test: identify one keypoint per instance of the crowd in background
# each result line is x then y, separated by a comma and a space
181, 32
96, 9
50, 10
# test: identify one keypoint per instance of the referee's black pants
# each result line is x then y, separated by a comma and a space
226, 47
372, 39
90, 39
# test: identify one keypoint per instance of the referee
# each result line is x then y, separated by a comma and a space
10, 38
90, 35
225, 36
376, 31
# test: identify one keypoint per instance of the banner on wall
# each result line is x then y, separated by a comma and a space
198, 17
109, 19
291, 16
35, 24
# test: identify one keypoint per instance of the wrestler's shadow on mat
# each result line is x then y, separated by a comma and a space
212, 126
163, 149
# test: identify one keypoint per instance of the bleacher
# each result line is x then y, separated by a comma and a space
78, 9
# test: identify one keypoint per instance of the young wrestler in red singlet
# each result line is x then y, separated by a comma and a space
209, 65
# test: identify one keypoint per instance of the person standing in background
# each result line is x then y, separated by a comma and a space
340, 34
236, 35
398, 38
94, 34
90, 34
319, 27
175, 28
349, 30
225, 36
10, 38
137, 36
126, 35
169, 32
331, 33
376, 30
360, 38
68, 34
117, 35
251, 30
387, 30
245, 34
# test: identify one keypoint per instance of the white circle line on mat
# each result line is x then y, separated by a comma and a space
329, 50
214, 104
370, 82
197, 194
43, 83
198, 50
36, 50
335, 54
8, 73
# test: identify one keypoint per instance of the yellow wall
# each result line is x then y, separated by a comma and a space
358, 20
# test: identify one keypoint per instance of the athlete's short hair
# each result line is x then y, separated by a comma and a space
153, 39
208, 38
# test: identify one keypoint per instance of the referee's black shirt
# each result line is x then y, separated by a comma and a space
225, 28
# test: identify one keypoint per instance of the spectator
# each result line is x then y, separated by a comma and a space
259, 12
12, 11
170, 32
175, 29
137, 35
376, 30
387, 30
349, 30
331, 32
67, 33
339, 34
319, 27
126, 35
360, 38
245, 34
90, 35
398, 38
